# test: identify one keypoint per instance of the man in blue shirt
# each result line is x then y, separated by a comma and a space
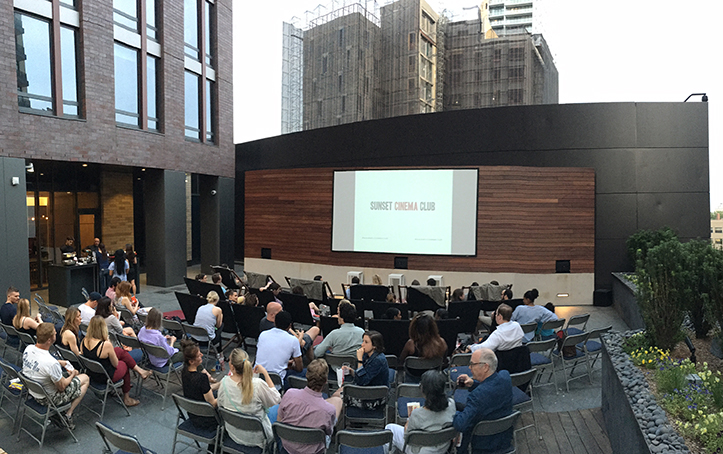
8, 311
490, 397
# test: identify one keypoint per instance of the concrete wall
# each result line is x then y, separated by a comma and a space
626, 303
14, 269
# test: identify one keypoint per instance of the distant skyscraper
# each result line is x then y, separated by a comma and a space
512, 17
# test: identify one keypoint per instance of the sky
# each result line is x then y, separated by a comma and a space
625, 51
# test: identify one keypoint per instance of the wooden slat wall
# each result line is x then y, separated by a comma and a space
528, 217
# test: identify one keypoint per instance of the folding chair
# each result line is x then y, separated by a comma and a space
126, 444
10, 372
593, 346
126, 316
554, 325
42, 412
195, 332
577, 324
522, 400
529, 328
354, 395
248, 424
349, 442
134, 344
68, 355
417, 439
458, 365
335, 362
3, 342
159, 373
142, 316
304, 435
541, 358
13, 341
85, 293
277, 380
174, 326
407, 393
102, 389
494, 427
190, 430
25, 340
423, 364
295, 382
573, 361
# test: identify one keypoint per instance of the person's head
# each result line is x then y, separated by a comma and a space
23, 311
530, 296
457, 294
101, 248
355, 280
431, 282
507, 294
424, 333
232, 295
483, 364
104, 307
114, 282
69, 241
72, 320
154, 320
433, 384
372, 341
120, 261
45, 334
391, 298
13, 295
283, 320
474, 284
377, 280
347, 313
200, 277
297, 290
550, 307
316, 374
317, 277
97, 329
216, 278
415, 282
129, 249
252, 300
192, 355
96, 242
93, 299
240, 365
272, 309
123, 289
392, 313
212, 297
441, 314
275, 288
504, 313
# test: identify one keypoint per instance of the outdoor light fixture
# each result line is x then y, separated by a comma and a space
563, 295
85, 165
30, 168
703, 98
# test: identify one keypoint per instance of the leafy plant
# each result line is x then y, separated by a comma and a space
638, 341
642, 241
701, 273
670, 379
714, 299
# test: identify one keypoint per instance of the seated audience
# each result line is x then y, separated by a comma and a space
200, 277
110, 292
278, 349
457, 295
269, 321
119, 266
377, 280
508, 334
436, 414
354, 281
232, 296
275, 289
210, 318
308, 408
10, 308
250, 300
343, 341
125, 299
415, 282
441, 314
87, 309
431, 282
373, 368
392, 313
23, 322
242, 392
490, 397
70, 332
216, 279
197, 384
424, 341
151, 334
116, 361
530, 313
41, 366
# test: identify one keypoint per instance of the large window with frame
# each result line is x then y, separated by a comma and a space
46, 36
137, 54
199, 33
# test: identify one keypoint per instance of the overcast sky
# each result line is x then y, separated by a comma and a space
635, 50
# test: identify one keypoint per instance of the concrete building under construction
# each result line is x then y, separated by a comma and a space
361, 62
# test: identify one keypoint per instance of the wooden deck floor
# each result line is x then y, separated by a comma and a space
578, 432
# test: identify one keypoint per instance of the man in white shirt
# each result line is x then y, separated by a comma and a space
507, 336
39, 365
87, 309
278, 349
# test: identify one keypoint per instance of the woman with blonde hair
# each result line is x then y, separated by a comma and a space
116, 361
242, 392
70, 332
210, 318
23, 322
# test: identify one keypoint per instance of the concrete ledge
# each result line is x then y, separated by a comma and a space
625, 301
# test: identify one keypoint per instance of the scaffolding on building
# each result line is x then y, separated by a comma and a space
292, 78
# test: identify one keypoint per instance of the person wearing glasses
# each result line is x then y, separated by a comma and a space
490, 397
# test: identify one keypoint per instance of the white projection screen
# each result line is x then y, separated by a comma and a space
431, 211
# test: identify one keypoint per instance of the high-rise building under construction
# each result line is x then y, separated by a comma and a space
360, 62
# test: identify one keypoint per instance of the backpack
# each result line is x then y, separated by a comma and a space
569, 351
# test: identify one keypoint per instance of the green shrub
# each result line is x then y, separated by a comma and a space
714, 299
670, 379
639, 243
701, 272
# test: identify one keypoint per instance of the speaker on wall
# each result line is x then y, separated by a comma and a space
562, 266
400, 263
265, 252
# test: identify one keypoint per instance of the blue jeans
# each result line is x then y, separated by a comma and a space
104, 280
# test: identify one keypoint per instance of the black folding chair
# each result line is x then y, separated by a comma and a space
102, 389
188, 429
125, 443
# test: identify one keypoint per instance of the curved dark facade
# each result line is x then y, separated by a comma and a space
650, 159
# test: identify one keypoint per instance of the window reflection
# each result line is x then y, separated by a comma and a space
207, 32
69, 66
151, 27
34, 72
192, 103
125, 14
210, 127
152, 92
126, 85
190, 28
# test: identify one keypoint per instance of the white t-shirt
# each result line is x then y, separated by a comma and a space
122, 276
275, 348
507, 336
39, 365
86, 313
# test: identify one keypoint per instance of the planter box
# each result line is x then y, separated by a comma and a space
625, 302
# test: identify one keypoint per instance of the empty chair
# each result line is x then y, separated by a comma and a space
248, 424
593, 347
11, 393
522, 395
186, 427
12, 341
101, 389
541, 358
294, 434
577, 324
374, 442
126, 444
571, 361
41, 414
494, 427
172, 325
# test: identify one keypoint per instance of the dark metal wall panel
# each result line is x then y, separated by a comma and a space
14, 270
676, 125
672, 170
686, 213
226, 194
616, 215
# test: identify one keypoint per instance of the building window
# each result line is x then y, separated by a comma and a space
719, 230
46, 57
515, 96
199, 33
137, 54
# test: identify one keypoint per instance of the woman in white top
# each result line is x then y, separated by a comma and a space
119, 266
243, 393
210, 318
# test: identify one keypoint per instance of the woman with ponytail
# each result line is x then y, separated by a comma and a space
243, 393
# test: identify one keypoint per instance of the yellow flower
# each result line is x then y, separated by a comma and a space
704, 430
